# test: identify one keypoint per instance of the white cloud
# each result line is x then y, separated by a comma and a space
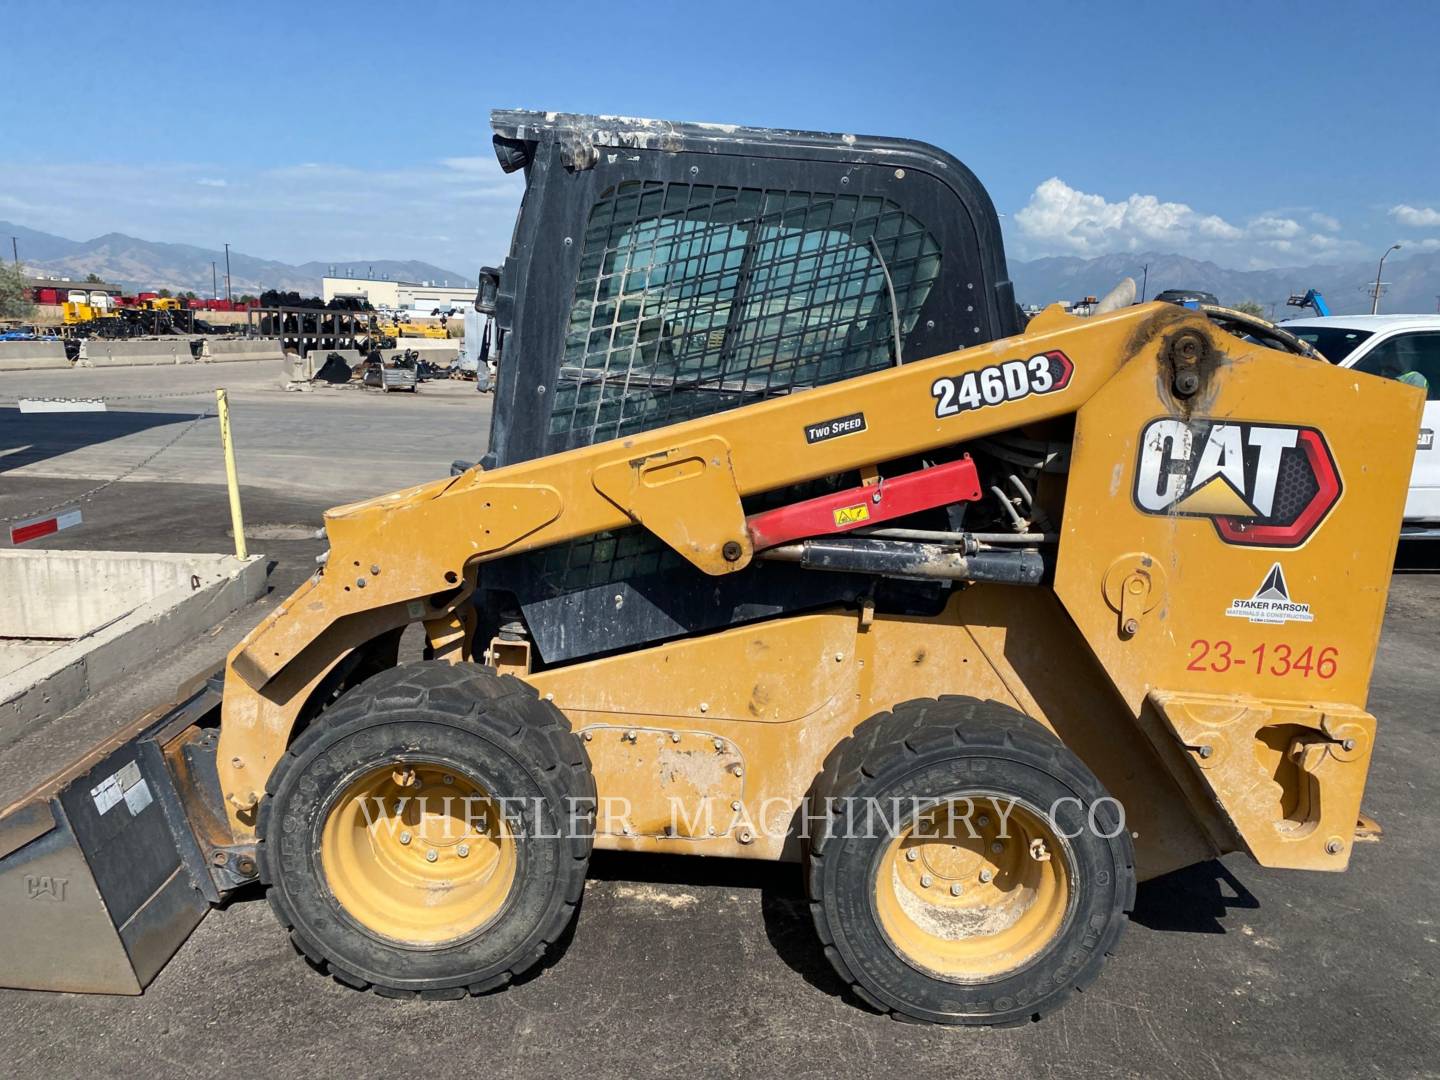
1325, 221
1061, 220
1420, 217
210, 181
1274, 228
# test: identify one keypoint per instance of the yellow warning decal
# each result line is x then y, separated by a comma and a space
849, 515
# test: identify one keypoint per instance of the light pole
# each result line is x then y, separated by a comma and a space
1375, 302
227, 274
214, 282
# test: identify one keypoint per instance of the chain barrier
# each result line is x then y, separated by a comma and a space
86, 496
116, 397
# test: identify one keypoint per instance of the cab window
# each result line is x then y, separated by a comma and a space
1410, 358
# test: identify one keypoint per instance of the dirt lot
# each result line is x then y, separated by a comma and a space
690, 967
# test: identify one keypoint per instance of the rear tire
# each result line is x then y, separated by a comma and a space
429, 835
996, 917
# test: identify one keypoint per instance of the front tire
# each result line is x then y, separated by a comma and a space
429, 835
967, 868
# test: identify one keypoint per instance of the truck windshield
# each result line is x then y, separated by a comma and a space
1333, 342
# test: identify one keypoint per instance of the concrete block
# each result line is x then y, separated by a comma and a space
432, 349
29, 355
225, 350
108, 614
135, 352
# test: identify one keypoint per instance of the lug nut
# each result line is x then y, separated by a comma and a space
449, 779
737, 770
719, 744
912, 855
1348, 744
926, 881
674, 736
463, 850
735, 805
997, 847
987, 876
1334, 847
404, 837
630, 736
431, 855
983, 820
956, 889
747, 837
1205, 751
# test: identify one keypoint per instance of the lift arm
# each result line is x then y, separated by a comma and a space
684, 483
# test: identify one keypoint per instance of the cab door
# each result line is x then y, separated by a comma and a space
1414, 357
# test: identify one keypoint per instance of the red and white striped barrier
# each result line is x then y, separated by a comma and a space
43, 526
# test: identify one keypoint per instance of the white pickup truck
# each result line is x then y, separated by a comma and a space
1405, 347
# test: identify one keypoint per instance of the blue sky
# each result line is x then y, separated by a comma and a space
1255, 134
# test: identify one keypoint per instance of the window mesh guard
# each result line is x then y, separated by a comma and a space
696, 298
692, 299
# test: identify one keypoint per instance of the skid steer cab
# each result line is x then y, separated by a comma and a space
791, 543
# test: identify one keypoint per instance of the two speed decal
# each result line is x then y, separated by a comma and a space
995, 384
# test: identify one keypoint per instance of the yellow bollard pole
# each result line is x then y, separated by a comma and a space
237, 523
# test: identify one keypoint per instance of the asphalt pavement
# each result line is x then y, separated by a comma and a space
685, 967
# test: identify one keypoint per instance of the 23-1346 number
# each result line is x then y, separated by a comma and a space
1280, 660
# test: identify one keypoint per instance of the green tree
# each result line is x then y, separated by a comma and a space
163, 293
14, 293
1250, 307
93, 278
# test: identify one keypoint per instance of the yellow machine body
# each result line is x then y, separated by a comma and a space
1211, 670
76, 312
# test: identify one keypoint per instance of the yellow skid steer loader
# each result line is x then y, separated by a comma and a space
792, 542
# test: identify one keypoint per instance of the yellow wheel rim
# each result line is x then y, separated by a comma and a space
418, 853
970, 908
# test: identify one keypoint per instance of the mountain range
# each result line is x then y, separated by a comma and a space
1414, 280
145, 264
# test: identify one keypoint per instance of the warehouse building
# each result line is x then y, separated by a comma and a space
385, 293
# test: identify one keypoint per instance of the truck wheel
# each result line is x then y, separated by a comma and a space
429, 834
966, 867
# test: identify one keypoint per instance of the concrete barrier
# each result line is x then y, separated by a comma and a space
432, 349
80, 620
134, 352
225, 350
28, 355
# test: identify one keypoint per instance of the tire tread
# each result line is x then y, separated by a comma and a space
504, 705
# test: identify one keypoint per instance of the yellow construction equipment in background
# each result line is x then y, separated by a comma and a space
79, 313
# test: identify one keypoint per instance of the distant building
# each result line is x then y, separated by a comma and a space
48, 290
384, 293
